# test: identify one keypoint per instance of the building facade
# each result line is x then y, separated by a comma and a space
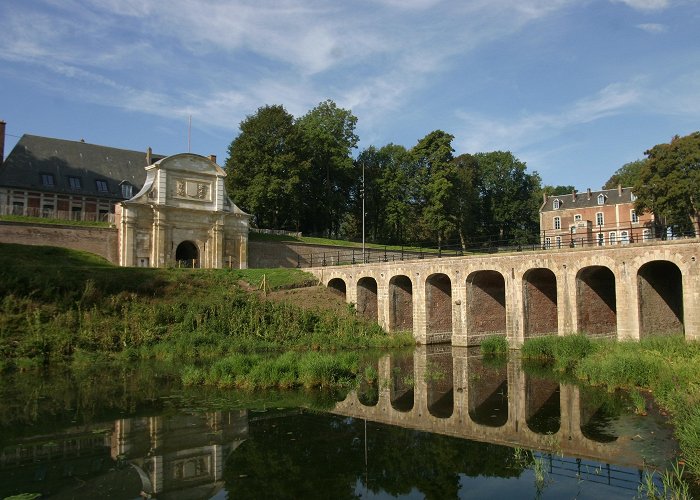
182, 217
595, 218
56, 178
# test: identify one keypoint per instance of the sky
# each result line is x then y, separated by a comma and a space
574, 88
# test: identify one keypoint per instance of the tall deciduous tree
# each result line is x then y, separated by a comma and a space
265, 169
466, 196
669, 183
510, 197
328, 140
433, 157
627, 175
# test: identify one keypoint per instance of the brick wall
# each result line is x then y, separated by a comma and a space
100, 241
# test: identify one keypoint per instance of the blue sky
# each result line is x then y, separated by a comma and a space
575, 88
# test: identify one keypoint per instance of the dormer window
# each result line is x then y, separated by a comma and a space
557, 204
633, 197
101, 186
47, 180
74, 182
601, 199
127, 190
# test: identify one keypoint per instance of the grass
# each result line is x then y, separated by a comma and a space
496, 345
57, 303
667, 366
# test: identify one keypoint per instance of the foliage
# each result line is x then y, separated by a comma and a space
328, 135
627, 175
557, 190
265, 168
669, 183
496, 344
509, 197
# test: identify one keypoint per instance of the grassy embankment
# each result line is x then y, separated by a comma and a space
669, 367
57, 305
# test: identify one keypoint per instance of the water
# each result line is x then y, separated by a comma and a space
437, 423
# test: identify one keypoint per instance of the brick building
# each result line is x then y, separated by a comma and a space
46, 177
606, 217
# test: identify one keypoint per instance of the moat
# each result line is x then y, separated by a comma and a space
433, 423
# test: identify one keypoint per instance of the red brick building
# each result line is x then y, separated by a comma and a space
599, 218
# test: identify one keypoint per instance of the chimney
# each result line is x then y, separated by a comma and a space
149, 154
212, 158
573, 195
544, 197
2, 141
589, 193
619, 190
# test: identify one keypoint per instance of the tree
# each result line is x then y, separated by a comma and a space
558, 190
433, 157
265, 169
510, 197
669, 183
328, 134
466, 196
627, 175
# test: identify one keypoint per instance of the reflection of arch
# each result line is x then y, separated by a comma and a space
368, 389
595, 298
488, 393
486, 303
597, 409
402, 382
400, 304
542, 405
338, 285
540, 302
660, 291
439, 381
438, 305
367, 298
187, 254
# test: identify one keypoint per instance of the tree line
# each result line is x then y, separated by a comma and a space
299, 174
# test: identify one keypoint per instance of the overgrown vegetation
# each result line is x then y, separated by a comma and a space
496, 345
666, 366
57, 304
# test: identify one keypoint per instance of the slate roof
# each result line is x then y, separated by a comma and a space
33, 156
612, 197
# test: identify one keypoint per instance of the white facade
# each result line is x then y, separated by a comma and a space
182, 217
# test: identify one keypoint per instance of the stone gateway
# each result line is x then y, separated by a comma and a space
182, 217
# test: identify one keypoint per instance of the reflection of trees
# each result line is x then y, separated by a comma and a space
323, 455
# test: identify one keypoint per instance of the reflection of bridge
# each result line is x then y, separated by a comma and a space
627, 292
450, 392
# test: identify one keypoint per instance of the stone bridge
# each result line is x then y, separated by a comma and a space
450, 391
624, 292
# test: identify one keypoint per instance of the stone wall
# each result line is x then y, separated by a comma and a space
97, 240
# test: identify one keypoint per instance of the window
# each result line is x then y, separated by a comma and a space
547, 242
101, 186
47, 211
624, 237
633, 216
601, 199
556, 204
646, 235
601, 239
557, 223
127, 190
17, 208
599, 219
74, 182
633, 197
557, 240
612, 237
47, 180
577, 218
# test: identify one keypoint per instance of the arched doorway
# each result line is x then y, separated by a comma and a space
187, 255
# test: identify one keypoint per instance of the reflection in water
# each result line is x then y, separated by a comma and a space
438, 377
543, 405
488, 393
67, 438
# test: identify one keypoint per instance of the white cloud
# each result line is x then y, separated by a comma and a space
645, 5
480, 133
653, 28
